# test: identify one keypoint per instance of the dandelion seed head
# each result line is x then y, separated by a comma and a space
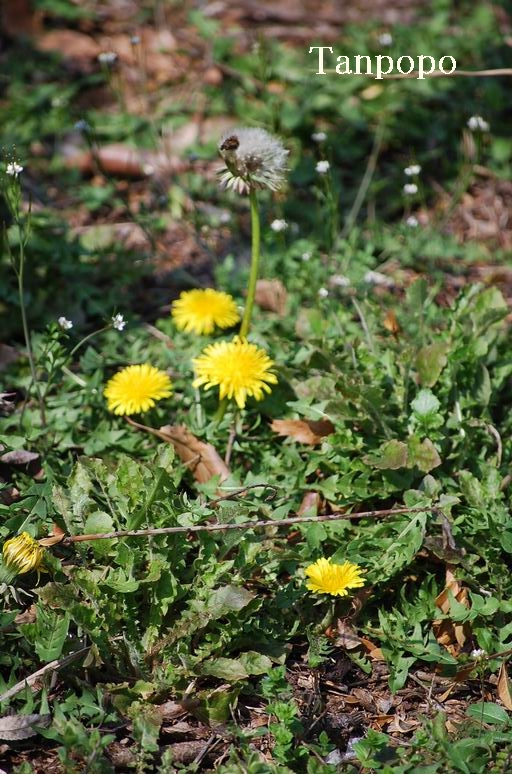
254, 159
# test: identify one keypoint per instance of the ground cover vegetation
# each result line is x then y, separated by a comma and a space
256, 331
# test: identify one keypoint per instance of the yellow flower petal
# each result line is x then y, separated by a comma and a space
335, 579
136, 389
239, 369
199, 311
22, 553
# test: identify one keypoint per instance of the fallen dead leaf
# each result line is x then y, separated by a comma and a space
449, 634
76, 48
120, 159
504, 687
310, 504
303, 430
202, 458
14, 727
271, 296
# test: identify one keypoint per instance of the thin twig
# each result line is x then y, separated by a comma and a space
434, 74
53, 666
216, 527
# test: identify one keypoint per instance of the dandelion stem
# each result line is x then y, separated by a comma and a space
255, 263
20, 273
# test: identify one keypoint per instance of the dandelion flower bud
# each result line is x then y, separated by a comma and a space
22, 554
254, 159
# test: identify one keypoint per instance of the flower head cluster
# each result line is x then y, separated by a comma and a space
413, 170
13, 169
64, 323
254, 159
278, 225
136, 389
22, 554
322, 167
199, 311
478, 124
240, 370
118, 322
325, 577
410, 189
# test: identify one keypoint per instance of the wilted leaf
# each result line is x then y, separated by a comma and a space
19, 457
228, 599
430, 362
347, 638
201, 458
390, 323
422, 455
310, 504
271, 295
391, 456
303, 430
14, 727
504, 687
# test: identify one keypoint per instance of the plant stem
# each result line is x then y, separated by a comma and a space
26, 333
255, 264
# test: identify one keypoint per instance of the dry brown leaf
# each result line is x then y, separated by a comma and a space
75, 47
303, 430
120, 159
451, 635
14, 727
202, 458
271, 296
347, 637
390, 323
504, 687
310, 504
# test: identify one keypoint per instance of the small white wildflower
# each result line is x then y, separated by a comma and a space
306, 256
13, 169
82, 125
377, 278
135, 40
412, 221
339, 280
410, 188
278, 225
385, 39
322, 167
254, 159
477, 123
323, 292
58, 102
414, 169
64, 323
107, 57
148, 169
319, 137
118, 322
478, 654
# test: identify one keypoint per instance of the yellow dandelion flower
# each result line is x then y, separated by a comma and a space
136, 388
199, 311
238, 368
335, 579
22, 554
